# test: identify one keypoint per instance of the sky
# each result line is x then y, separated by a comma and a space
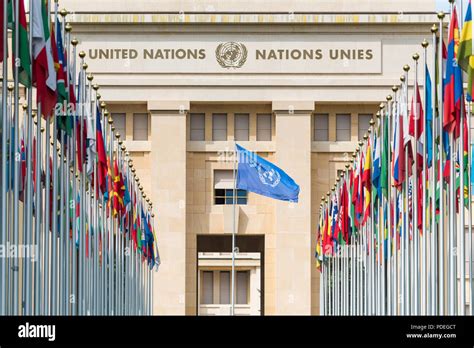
443, 5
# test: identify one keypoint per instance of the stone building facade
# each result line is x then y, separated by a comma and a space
296, 82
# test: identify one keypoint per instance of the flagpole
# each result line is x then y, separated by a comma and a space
105, 222
393, 191
441, 231
234, 178
92, 200
96, 288
374, 133
424, 250
404, 230
81, 247
348, 249
16, 268
408, 258
121, 242
84, 186
416, 235
389, 272
3, 204
330, 269
71, 171
462, 229
321, 277
451, 241
390, 116
117, 239
65, 182
74, 271
433, 249
471, 249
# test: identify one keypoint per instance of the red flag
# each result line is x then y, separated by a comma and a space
419, 131
324, 230
453, 89
345, 213
420, 115
81, 143
44, 75
359, 206
101, 157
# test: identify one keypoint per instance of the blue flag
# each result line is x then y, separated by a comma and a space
429, 119
260, 176
377, 168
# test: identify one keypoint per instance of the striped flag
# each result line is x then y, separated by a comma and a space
398, 161
64, 122
429, 119
366, 182
101, 157
418, 143
385, 159
44, 74
24, 69
465, 52
453, 88
377, 170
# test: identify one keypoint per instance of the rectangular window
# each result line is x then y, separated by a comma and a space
224, 189
343, 127
197, 129
243, 280
219, 127
120, 124
207, 295
140, 126
364, 124
224, 287
241, 127
264, 127
321, 127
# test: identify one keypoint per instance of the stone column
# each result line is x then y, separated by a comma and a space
168, 186
293, 254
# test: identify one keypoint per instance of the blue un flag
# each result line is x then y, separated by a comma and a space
260, 176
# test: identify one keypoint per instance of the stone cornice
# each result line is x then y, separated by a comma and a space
251, 18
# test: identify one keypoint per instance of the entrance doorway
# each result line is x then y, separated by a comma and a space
214, 275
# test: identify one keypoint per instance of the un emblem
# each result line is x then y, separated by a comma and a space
231, 55
269, 177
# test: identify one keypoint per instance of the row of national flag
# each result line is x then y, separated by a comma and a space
387, 228
73, 192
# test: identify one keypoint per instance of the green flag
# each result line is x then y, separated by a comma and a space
23, 59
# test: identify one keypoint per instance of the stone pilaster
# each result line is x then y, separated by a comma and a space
293, 254
168, 186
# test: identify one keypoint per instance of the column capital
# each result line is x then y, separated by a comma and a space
292, 106
174, 106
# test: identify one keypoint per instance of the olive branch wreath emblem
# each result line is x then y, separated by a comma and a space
231, 62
